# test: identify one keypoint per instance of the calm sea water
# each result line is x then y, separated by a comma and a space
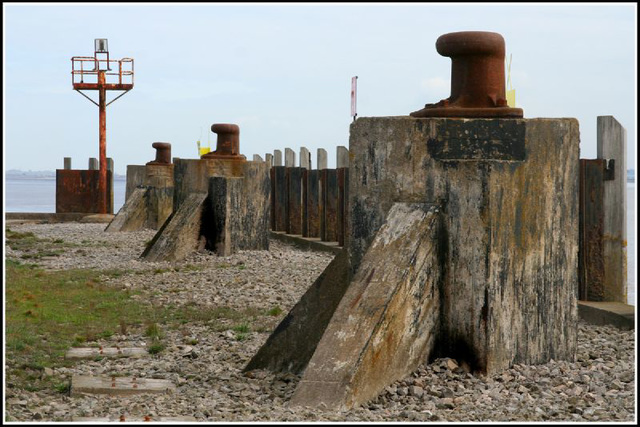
39, 195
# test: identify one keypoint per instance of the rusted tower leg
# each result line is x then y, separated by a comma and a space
102, 182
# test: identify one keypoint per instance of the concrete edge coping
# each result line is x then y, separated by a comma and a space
58, 217
618, 314
308, 243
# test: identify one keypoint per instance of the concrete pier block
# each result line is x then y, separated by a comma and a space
238, 218
494, 272
509, 191
192, 175
67, 163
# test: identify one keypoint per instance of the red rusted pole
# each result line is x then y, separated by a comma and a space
102, 182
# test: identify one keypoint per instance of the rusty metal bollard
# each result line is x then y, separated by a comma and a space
163, 153
228, 144
477, 77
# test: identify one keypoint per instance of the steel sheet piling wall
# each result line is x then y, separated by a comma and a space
310, 202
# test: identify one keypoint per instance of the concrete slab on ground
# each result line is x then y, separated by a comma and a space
93, 352
118, 386
312, 243
133, 419
617, 314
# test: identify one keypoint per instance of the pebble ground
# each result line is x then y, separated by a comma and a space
206, 363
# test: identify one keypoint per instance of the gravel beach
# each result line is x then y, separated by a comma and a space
206, 365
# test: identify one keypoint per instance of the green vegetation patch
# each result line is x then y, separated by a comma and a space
47, 312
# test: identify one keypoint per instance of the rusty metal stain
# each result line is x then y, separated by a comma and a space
330, 205
294, 200
477, 77
78, 191
591, 225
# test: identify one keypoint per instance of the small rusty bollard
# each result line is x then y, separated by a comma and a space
228, 144
122, 419
477, 77
163, 153
147, 418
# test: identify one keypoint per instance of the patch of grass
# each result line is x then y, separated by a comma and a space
47, 312
64, 387
275, 311
156, 347
242, 328
153, 331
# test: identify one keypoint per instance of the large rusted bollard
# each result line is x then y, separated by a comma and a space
477, 77
163, 153
228, 144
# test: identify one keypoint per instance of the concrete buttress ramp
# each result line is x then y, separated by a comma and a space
385, 325
180, 234
132, 215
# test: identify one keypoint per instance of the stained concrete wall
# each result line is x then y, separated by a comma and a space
239, 210
509, 193
136, 176
192, 175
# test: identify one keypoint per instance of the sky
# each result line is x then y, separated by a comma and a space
282, 72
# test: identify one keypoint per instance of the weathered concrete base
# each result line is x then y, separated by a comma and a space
180, 234
490, 280
238, 214
617, 314
387, 321
118, 386
229, 213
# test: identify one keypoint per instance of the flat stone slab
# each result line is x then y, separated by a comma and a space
101, 218
93, 352
133, 419
118, 386
313, 243
617, 314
